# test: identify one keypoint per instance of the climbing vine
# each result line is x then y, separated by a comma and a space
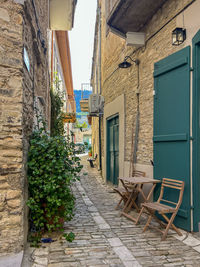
57, 103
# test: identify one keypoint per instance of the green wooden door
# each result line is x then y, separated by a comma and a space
172, 127
113, 150
196, 130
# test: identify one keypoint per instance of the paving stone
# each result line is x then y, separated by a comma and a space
123, 253
92, 209
38, 265
65, 264
191, 241
115, 242
131, 264
41, 261
103, 238
41, 252
197, 248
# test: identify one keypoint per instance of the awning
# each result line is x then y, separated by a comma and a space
65, 57
62, 14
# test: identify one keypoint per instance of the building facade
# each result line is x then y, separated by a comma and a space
150, 111
61, 74
24, 91
24, 78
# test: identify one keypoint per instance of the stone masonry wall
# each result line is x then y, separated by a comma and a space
18, 28
124, 81
11, 154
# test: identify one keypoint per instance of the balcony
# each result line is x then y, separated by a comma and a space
84, 105
62, 14
69, 117
132, 15
69, 114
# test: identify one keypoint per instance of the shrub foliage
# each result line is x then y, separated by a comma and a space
52, 167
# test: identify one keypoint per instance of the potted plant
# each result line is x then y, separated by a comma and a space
90, 152
89, 119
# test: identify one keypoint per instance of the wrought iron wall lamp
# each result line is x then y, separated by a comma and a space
125, 64
178, 36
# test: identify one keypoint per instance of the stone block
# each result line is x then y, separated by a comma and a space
14, 203
11, 153
2, 206
11, 194
15, 82
18, 19
15, 220
11, 62
4, 15
11, 143
41, 261
4, 185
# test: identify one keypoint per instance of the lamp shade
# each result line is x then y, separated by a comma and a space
124, 65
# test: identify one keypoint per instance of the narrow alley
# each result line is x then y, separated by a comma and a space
114, 83
103, 238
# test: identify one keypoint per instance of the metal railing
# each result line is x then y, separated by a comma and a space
85, 87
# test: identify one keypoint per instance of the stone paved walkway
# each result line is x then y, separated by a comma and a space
103, 238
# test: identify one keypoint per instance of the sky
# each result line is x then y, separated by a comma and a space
81, 41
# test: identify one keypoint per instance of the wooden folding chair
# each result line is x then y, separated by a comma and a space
126, 190
164, 206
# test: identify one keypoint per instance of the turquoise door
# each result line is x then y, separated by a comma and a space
113, 150
196, 129
172, 127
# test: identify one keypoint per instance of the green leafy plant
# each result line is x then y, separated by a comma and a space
57, 125
34, 239
69, 237
57, 103
81, 125
52, 168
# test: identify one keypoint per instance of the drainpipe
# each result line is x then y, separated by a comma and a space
99, 11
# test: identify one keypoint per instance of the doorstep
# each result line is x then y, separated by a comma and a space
12, 260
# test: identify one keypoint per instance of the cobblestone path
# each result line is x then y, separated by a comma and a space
103, 238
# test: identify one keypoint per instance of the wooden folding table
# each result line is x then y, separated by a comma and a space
138, 183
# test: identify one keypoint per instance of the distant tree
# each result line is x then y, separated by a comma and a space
81, 125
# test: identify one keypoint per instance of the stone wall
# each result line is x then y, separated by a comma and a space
18, 86
11, 146
116, 82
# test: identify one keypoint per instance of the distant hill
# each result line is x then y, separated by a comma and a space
77, 94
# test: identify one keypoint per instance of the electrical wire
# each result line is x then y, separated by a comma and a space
155, 33
39, 33
110, 76
150, 37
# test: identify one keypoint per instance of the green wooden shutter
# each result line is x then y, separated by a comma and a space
172, 126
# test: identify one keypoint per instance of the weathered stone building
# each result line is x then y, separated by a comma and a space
61, 70
24, 91
132, 124
23, 78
